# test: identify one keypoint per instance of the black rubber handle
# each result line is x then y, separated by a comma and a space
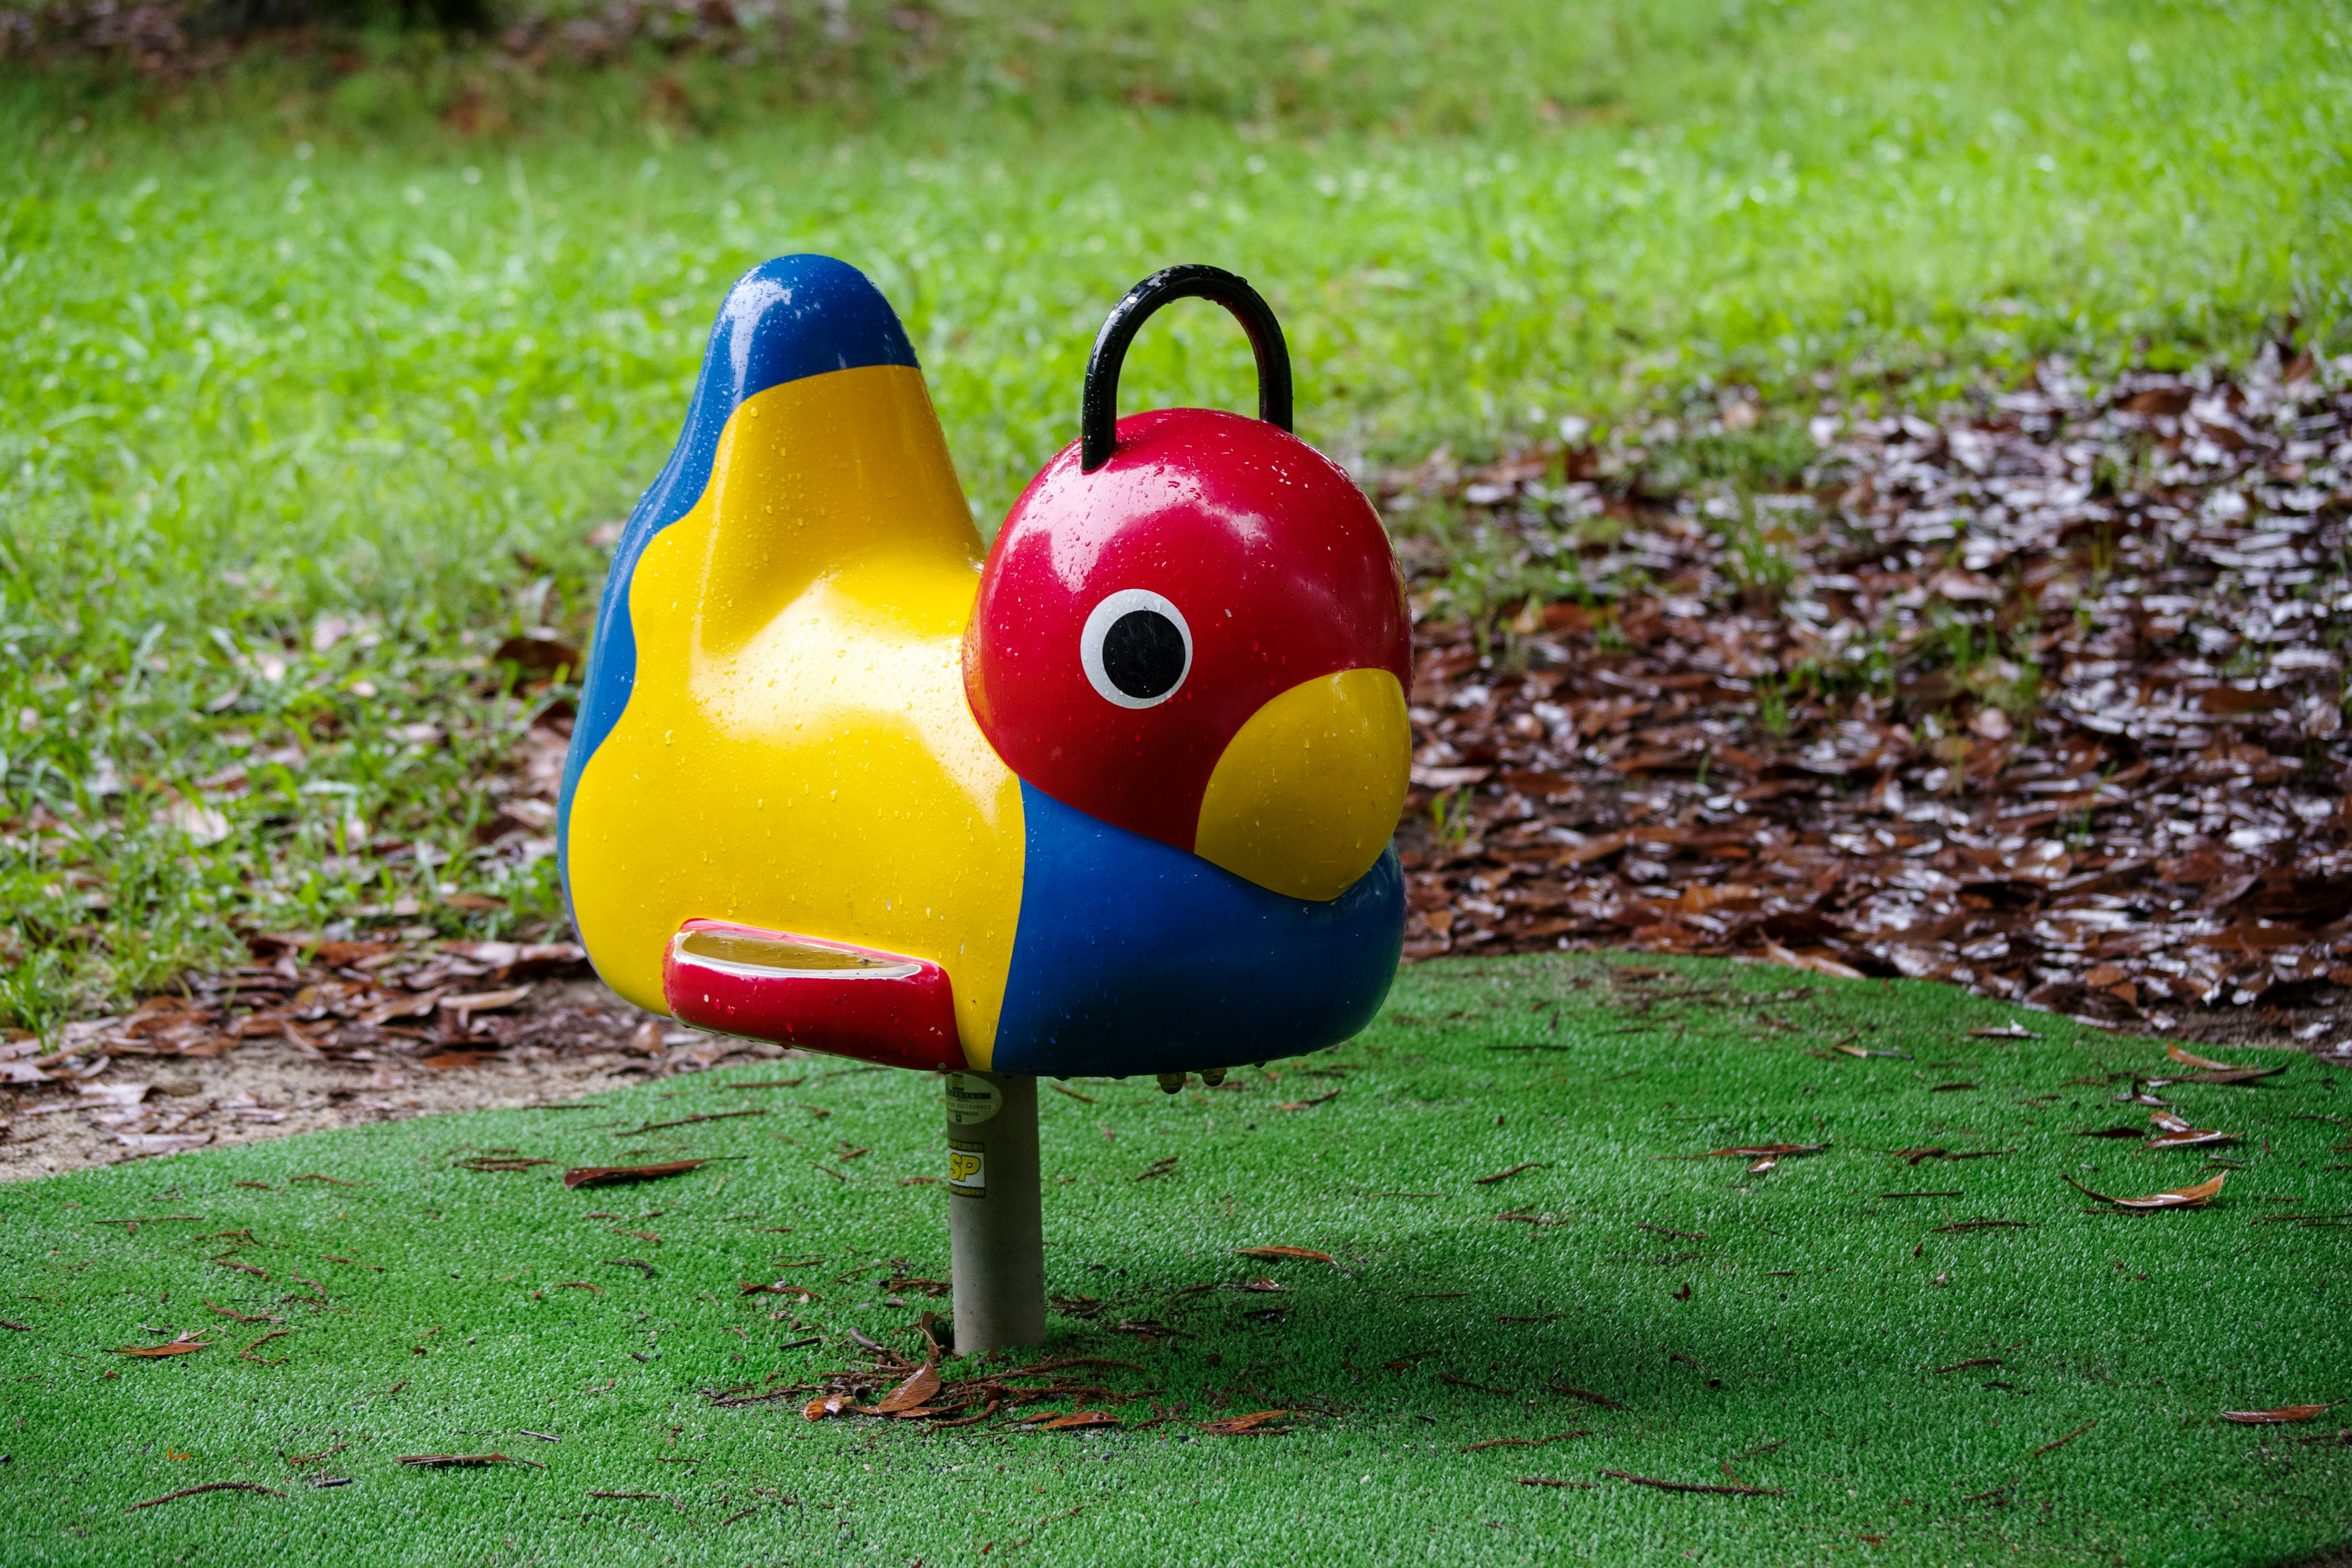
1098, 405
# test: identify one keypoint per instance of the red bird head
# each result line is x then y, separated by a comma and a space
1204, 640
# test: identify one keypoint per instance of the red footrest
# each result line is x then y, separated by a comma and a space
818, 996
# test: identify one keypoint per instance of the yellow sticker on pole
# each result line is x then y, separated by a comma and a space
967, 1169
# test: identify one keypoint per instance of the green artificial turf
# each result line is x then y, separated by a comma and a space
1802, 1330
313, 396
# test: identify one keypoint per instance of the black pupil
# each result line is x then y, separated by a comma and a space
1143, 654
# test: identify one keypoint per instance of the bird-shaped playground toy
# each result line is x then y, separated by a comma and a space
1114, 798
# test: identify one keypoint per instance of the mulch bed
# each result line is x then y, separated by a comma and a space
2041, 699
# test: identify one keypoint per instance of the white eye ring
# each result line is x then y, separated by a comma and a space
1113, 609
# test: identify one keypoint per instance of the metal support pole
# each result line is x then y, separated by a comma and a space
996, 1222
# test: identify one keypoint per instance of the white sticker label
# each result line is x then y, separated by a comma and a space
972, 1099
968, 1169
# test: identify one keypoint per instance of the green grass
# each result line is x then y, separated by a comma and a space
289, 346
1817, 1312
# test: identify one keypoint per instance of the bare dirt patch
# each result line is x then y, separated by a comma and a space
569, 1037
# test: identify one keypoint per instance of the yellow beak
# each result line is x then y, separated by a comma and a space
1307, 796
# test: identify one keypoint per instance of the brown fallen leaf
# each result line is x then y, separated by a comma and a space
2227, 1075
341, 953
619, 1175
2191, 1197
1233, 1425
2190, 1138
826, 1405
177, 1347
412, 1007
1812, 964
463, 1461
1507, 1175
2111, 1132
1307, 1254
1075, 1419
2013, 1030
1306, 1104
484, 1001
2284, 1415
2190, 1059
1765, 1150
911, 1393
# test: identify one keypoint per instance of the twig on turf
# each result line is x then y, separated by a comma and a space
617, 1175
1587, 1395
1525, 1442
207, 1487
233, 1312
463, 1461
1695, 1486
993, 1405
2062, 1441
689, 1121
131, 1226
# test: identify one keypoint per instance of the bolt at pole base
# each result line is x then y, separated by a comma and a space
996, 1225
